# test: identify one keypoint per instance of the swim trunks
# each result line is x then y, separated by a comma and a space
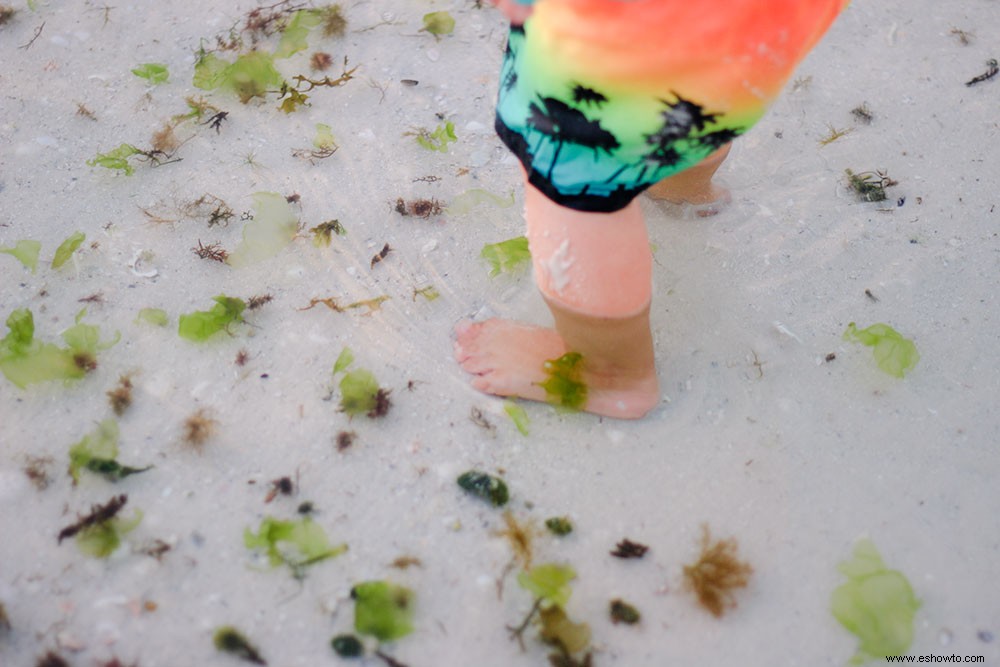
599, 99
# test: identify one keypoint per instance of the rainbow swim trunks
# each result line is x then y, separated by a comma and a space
600, 99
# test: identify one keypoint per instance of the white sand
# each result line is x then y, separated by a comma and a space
796, 457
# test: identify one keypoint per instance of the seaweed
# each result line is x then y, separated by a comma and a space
155, 316
228, 639
439, 139
622, 612
67, 248
716, 574
320, 61
550, 585
429, 292
345, 439
559, 525
470, 199
347, 646
213, 251
120, 398
324, 145
380, 255
24, 360
520, 537
36, 469
99, 533
154, 73
876, 604
25, 251
992, 68
323, 232
295, 32
420, 208
869, 186
383, 609
834, 134
518, 416
296, 544
198, 427
250, 75
628, 549
201, 325
268, 231
97, 452
893, 353
863, 114
326, 82
361, 394
482, 485
438, 23
283, 486
506, 256
565, 388
118, 158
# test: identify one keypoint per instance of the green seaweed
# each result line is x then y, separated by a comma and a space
439, 23
344, 359
228, 639
273, 226
100, 533
116, 159
470, 199
97, 452
295, 33
155, 316
67, 248
84, 341
548, 582
361, 394
439, 139
154, 73
323, 232
324, 139
506, 256
564, 387
559, 525
894, 354
347, 646
250, 75
429, 292
293, 543
24, 360
25, 251
383, 610
203, 324
482, 485
518, 416
876, 604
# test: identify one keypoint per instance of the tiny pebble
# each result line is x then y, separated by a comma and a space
985, 636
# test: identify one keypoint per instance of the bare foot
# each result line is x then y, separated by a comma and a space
507, 359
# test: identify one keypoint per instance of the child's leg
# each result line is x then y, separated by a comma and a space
694, 185
594, 271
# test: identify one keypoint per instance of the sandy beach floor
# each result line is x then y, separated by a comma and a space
773, 430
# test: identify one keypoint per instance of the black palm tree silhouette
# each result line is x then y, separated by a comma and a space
682, 119
584, 95
561, 123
